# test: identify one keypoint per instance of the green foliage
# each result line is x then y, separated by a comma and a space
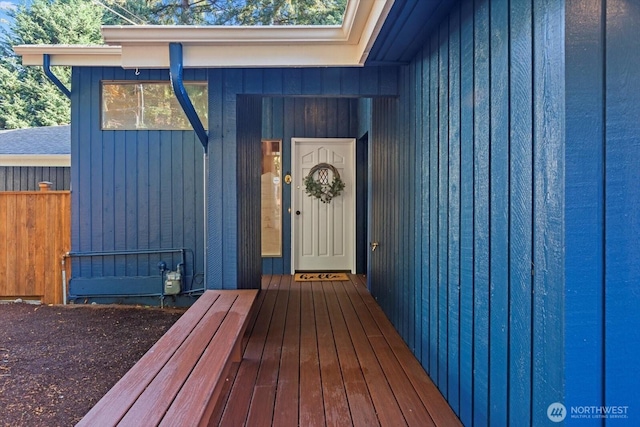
236, 12
321, 188
57, 22
27, 97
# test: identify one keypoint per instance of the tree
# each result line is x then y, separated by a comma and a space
27, 97
235, 12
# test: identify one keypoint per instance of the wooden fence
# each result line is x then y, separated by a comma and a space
35, 231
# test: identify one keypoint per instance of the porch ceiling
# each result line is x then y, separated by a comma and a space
405, 30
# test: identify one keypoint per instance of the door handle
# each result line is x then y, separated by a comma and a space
374, 246
297, 212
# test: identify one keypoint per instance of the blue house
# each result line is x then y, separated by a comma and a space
490, 150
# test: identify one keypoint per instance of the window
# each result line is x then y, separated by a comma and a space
271, 195
135, 105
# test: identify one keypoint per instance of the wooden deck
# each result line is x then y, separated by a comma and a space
323, 353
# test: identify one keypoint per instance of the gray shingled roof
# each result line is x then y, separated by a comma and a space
42, 140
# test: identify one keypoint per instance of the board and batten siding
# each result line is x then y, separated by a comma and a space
603, 207
132, 190
468, 206
248, 174
26, 178
143, 189
226, 86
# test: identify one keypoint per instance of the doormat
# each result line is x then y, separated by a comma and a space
315, 277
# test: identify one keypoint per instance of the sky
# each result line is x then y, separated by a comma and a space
4, 6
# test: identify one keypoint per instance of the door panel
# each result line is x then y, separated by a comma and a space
323, 233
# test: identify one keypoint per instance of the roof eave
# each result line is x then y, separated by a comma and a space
204, 47
70, 55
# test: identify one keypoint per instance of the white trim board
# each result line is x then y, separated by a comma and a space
41, 160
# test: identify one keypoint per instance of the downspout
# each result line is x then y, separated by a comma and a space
176, 67
46, 66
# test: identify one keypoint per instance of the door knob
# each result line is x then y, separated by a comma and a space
297, 212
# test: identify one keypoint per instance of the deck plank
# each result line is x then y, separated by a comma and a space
410, 404
363, 414
438, 408
311, 403
165, 385
237, 407
129, 387
187, 403
389, 413
233, 371
267, 379
287, 400
325, 354
336, 408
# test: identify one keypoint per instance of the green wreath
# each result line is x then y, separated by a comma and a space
323, 191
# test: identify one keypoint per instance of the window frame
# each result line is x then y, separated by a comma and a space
202, 115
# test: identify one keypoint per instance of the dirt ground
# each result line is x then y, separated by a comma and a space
56, 362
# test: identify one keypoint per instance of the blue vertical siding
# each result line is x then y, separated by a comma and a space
248, 174
362, 203
132, 190
548, 232
481, 344
622, 201
284, 118
442, 189
478, 120
384, 262
603, 201
585, 209
503, 192
520, 210
225, 85
417, 164
453, 273
26, 178
467, 165
499, 211
145, 189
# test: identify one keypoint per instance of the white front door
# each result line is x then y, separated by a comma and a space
323, 234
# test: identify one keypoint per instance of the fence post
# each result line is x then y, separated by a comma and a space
45, 185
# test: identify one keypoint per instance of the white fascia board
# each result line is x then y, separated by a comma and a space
220, 35
247, 57
70, 55
44, 160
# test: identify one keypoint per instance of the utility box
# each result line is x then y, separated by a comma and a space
173, 283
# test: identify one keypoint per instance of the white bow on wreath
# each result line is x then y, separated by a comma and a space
320, 187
